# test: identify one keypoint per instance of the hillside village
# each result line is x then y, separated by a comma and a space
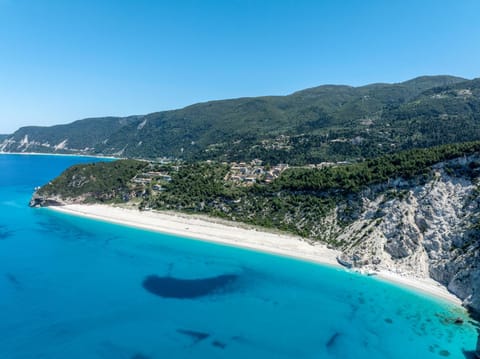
158, 174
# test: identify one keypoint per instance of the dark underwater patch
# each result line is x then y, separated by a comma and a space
196, 336
50, 224
333, 339
12, 280
171, 287
140, 356
469, 354
219, 344
5, 233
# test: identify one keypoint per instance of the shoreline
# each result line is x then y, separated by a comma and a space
57, 154
197, 227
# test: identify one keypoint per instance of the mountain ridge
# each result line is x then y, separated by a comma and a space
324, 123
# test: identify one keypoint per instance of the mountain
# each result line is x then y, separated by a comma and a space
78, 137
325, 123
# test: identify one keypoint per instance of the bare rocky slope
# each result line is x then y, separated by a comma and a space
421, 229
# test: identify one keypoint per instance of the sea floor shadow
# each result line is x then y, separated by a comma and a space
171, 287
470, 354
5, 232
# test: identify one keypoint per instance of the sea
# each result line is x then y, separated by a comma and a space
76, 288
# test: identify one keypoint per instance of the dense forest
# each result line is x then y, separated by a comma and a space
100, 181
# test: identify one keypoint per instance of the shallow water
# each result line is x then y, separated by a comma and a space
77, 288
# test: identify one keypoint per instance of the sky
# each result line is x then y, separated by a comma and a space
62, 61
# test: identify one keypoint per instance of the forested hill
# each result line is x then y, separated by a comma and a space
326, 123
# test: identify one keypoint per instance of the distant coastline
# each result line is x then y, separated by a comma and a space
234, 234
57, 154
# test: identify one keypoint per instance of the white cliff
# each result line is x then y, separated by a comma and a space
424, 230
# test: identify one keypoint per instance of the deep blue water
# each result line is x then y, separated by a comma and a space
77, 288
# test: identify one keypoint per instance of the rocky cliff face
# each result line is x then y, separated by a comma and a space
423, 229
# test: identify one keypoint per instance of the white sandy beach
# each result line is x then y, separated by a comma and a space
231, 233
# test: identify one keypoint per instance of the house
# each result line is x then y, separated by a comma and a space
269, 177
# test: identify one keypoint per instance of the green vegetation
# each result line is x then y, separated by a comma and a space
201, 187
353, 177
82, 136
101, 181
194, 183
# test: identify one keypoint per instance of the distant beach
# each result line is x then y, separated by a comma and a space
240, 235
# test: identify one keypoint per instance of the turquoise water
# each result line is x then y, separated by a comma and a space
76, 288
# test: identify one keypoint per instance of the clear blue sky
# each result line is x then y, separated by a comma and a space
63, 60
